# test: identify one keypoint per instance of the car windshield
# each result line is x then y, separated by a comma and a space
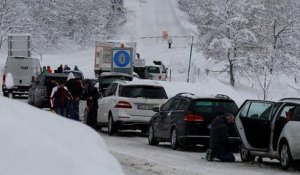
153, 92
213, 108
153, 69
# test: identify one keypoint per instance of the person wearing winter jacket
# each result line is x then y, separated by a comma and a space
59, 97
220, 146
49, 70
75, 88
91, 97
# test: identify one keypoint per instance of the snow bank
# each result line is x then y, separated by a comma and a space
36, 142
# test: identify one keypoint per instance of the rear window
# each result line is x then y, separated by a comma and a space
153, 92
214, 107
153, 69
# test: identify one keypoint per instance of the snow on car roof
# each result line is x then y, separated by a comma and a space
114, 73
141, 82
36, 142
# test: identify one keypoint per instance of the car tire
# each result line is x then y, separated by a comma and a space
151, 138
246, 154
111, 126
5, 94
285, 156
174, 139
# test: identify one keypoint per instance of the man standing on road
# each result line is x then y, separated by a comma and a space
91, 96
59, 97
75, 88
220, 146
170, 41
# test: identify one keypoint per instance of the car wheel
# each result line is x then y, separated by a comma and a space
285, 156
151, 138
174, 140
246, 154
111, 125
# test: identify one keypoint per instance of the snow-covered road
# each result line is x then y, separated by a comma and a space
139, 158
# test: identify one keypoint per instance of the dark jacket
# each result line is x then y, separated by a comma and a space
219, 136
74, 88
60, 98
92, 92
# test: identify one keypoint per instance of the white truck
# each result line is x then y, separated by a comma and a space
19, 63
105, 52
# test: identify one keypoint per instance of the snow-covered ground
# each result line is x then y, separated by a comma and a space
139, 158
35, 142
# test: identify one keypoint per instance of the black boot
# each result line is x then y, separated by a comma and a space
210, 155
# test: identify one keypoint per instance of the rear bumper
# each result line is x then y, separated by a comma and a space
132, 121
16, 89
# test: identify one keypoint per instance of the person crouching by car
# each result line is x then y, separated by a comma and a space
220, 146
91, 95
59, 97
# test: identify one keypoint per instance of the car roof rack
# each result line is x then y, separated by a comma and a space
223, 96
290, 98
184, 93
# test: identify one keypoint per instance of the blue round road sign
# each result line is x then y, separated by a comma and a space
121, 58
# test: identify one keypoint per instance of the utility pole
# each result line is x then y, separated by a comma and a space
188, 78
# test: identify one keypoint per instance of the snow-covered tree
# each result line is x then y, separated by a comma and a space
53, 22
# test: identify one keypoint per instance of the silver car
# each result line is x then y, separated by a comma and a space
269, 129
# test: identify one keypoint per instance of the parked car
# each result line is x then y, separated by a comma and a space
186, 119
157, 72
40, 91
103, 81
106, 78
128, 105
269, 129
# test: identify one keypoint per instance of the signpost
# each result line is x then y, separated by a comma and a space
122, 60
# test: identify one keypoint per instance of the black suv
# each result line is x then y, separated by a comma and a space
185, 119
40, 90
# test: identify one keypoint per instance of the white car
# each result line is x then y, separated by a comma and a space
157, 72
269, 129
128, 105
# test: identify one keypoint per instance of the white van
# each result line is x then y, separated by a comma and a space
24, 71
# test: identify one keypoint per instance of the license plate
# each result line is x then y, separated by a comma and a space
145, 107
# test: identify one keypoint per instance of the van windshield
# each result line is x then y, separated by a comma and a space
153, 69
153, 92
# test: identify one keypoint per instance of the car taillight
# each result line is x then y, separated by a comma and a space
123, 104
3, 78
193, 118
32, 79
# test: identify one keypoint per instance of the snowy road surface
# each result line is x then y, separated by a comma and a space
139, 158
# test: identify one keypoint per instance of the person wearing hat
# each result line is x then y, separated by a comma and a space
59, 97
91, 96
75, 88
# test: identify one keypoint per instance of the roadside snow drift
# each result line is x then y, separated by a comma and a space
36, 142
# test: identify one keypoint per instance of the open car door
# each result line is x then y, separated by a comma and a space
253, 123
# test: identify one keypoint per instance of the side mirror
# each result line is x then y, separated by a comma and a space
156, 109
